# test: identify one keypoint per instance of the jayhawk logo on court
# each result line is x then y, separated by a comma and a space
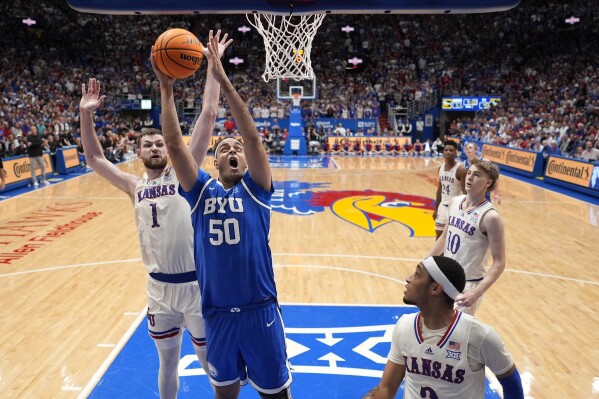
366, 209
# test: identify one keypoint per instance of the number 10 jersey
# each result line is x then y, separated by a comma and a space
464, 242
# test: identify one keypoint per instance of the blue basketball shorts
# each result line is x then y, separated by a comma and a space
248, 344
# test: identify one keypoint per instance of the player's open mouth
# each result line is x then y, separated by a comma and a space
233, 163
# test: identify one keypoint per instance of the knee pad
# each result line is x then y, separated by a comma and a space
284, 394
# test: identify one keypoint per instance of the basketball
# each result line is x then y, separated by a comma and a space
178, 53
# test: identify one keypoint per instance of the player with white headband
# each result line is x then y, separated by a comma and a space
442, 352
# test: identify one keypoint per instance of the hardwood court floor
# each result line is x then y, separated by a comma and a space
77, 284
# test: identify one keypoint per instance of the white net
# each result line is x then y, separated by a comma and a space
288, 43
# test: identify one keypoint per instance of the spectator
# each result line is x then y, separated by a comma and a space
229, 125
340, 130
419, 129
35, 152
590, 154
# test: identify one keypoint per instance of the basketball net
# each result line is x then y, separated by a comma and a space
288, 43
296, 98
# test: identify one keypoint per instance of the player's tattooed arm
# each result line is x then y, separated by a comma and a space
372, 392
393, 375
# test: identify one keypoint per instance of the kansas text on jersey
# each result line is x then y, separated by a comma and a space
163, 225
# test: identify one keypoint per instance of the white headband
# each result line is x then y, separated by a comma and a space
431, 267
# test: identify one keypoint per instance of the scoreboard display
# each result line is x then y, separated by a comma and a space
458, 103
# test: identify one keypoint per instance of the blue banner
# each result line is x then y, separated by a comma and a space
352, 124
465, 103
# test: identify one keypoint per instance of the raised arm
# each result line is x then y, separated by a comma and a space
257, 159
202, 130
94, 156
180, 155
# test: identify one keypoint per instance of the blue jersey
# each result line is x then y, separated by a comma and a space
231, 235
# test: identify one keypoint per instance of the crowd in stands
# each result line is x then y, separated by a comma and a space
545, 70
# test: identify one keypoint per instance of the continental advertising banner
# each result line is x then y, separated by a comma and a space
570, 171
383, 140
511, 157
71, 157
66, 158
19, 169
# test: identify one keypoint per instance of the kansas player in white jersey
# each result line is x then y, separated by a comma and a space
452, 182
164, 228
474, 227
231, 221
439, 351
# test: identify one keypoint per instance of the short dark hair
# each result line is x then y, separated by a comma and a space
454, 273
147, 132
223, 139
451, 143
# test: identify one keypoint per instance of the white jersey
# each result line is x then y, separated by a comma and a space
163, 220
448, 363
464, 241
450, 185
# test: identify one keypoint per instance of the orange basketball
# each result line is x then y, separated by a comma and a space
178, 53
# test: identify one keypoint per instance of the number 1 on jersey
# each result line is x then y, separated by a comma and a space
154, 216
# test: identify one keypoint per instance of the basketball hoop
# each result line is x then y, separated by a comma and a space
288, 43
296, 98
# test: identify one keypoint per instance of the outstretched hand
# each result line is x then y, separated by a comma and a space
164, 79
90, 96
215, 64
222, 44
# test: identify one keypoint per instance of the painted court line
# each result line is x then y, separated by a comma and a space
345, 269
351, 256
70, 389
92, 264
109, 262
113, 354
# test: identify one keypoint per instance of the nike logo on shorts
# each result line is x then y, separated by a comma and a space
270, 324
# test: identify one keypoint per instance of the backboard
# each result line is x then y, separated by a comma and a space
299, 6
286, 87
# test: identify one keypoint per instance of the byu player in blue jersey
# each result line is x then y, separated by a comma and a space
231, 220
